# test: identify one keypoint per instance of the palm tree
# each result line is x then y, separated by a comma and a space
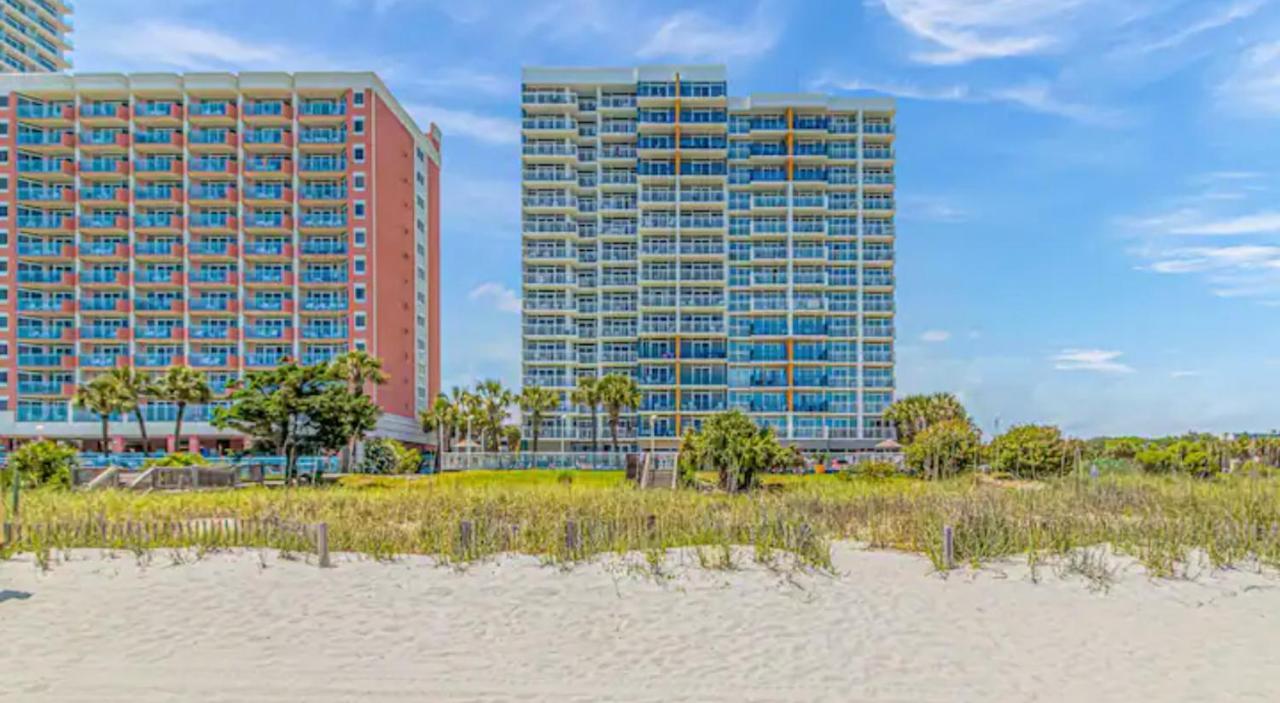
588, 393
100, 396
618, 393
442, 416
357, 369
133, 387
183, 385
535, 403
493, 402
916, 413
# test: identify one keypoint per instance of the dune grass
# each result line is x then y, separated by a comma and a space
1160, 521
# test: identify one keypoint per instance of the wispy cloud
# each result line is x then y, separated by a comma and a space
1035, 97
1254, 83
1194, 222
1184, 374
467, 80
960, 31
501, 297
481, 127
935, 336
1221, 18
930, 208
692, 35
1096, 360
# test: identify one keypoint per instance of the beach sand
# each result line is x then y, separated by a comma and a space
249, 626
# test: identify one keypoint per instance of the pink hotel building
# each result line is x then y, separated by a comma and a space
222, 221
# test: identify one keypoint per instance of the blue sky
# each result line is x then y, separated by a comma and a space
1089, 231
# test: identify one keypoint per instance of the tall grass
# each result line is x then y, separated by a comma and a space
1158, 520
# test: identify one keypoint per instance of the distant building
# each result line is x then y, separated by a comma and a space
726, 252
35, 36
227, 222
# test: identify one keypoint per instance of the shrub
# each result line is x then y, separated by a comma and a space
943, 449
1031, 451
387, 456
43, 463
175, 460
877, 469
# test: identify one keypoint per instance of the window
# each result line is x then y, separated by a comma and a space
360, 266
360, 293
4, 211
359, 209
4, 156
4, 322
357, 125
361, 320
360, 236
4, 349
357, 98
357, 153
361, 345
358, 180
4, 183
4, 267
4, 129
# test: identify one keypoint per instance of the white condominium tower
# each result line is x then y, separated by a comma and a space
725, 252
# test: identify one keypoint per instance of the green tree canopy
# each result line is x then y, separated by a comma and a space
535, 403
1031, 451
733, 446
916, 413
943, 449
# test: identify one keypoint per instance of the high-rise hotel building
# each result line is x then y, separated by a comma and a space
726, 252
35, 36
226, 222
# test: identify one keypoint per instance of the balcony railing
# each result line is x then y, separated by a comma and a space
324, 247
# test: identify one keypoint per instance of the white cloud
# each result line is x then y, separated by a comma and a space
935, 336
964, 30
501, 297
691, 35
1098, 360
164, 44
929, 208
1254, 84
466, 80
1232, 13
1184, 374
456, 122
1036, 97
1192, 222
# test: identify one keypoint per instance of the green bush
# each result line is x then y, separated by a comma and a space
943, 449
43, 463
387, 456
877, 469
1031, 451
177, 460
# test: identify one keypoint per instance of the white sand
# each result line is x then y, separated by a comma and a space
234, 627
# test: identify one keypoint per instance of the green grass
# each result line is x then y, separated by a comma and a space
1158, 520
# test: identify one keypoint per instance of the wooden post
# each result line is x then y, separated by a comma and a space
948, 548
194, 471
651, 525
322, 544
571, 536
465, 535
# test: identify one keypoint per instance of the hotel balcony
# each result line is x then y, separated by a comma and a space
46, 388
46, 196
47, 306
158, 141
326, 305
325, 332
324, 277
323, 222
98, 332
104, 168
52, 279
212, 141
54, 169
221, 277
549, 153
267, 223
271, 193
260, 359
254, 332
267, 249
322, 194
267, 140
212, 223
268, 305
104, 195
208, 360
158, 223
258, 278
268, 167
212, 194
102, 361
319, 248
208, 166
148, 250
104, 305
104, 114
211, 112
212, 305
158, 113
322, 138
51, 115
327, 167
548, 100
213, 249
104, 278
46, 250
158, 278
47, 142
158, 168
267, 112
313, 111
158, 361
154, 332
47, 361
46, 333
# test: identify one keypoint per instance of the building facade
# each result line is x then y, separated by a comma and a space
35, 36
729, 253
226, 222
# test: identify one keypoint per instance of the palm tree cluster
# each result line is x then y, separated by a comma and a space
916, 413
125, 390
482, 410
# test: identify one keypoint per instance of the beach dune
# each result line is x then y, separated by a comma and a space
250, 626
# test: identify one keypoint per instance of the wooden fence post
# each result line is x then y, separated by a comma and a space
322, 544
571, 536
465, 534
948, 548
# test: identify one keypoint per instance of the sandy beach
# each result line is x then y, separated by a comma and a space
252, 627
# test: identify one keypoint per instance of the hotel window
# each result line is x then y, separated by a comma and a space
4, 211
361, 345
360, 293
357, 125
358, 181
360, 236
357, 153
4, 156
4, 322
359, 209
4, 349
361, 320
357, 98
359, 265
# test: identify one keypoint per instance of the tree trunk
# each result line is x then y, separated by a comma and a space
536, 423
595, 424
142, 427
177, 427
613, 432
106, 434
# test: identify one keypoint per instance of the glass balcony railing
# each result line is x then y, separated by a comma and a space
56, 276
323, 107
98, 361
207, 108
326, 192
264, 332
268, 276
265, 108
324, 332
43, 222
259, 359
206, 275
265, 304
209, 359
101, 109
324, 164
43, 413
324, 276
324, 219
41, 248
265, 248
42, 165
41, 359
324, 247
156, 359
199, 248
206, 304
323, 305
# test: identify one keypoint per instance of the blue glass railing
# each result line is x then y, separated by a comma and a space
324, 247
